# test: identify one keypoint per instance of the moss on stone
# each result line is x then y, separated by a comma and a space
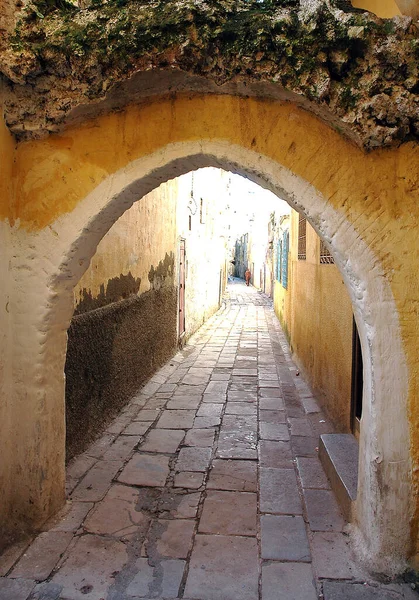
316, 55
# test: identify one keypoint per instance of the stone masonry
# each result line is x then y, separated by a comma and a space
206, 487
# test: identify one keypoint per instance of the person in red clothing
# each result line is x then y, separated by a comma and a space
247, 276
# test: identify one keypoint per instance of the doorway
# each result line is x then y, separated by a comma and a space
357, 381
182, 259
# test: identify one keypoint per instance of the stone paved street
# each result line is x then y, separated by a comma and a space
206, 487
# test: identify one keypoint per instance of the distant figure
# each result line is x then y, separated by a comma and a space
247, 276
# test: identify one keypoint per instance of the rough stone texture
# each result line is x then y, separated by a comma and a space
147, 536
223, 567
117, 514
152, 582
42, 556
288, 581
231, 47
334, 590
279, 492
233, 475
170, 538
111, 352
332, 556
91, 567
229, 513
144, 469
163, 440
15, 588
284, 538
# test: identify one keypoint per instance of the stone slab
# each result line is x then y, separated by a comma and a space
274, 432
90, 567
279, 492
163, 441
137, 428
121, 448
202, 438
176, 419
311, 473
304, 446
271, 404
15, 589
170, 538
332, 556
206, 422
96, 483
284, 538
238, 475
210, 410
229, 513
42, 556
240, 408
146, 469
179, 505
71, 518
156, 582
272, 416
334, 590
322, 511
118, 514
191, 481
288, 581
223, 567
193, 459
11, 555
184, 403
275, 454
46, 591
300, 426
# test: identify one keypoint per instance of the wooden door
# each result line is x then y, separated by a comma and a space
182, 260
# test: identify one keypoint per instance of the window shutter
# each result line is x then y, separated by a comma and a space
285, 249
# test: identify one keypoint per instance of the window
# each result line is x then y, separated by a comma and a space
285, 250
302, 238
325, 257
279, 262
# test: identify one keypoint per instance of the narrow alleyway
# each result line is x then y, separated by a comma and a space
206, 487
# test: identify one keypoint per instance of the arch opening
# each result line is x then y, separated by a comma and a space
382, 541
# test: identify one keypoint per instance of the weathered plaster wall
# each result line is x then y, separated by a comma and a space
320, 326
139, 239
205, 242
111, 352
7, 148
375, 196
125, 323
382, 8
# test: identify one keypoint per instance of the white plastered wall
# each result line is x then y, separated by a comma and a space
48, 264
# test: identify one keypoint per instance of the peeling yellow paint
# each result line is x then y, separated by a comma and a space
7, 149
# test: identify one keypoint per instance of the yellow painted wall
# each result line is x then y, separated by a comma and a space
382, 8
7, 149
204, 242
318, 319
377, 192
138, 240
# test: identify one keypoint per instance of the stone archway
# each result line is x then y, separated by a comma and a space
371, 296
281, 153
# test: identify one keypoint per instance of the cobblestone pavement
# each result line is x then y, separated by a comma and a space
206, 487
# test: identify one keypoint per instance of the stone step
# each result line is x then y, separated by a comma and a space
338, 453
